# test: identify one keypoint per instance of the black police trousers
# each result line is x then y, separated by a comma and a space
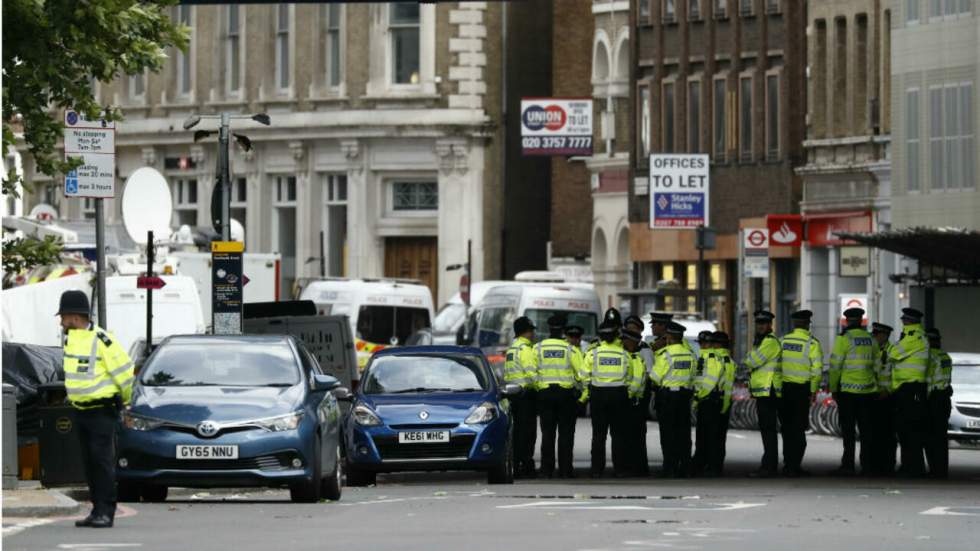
768, 410
856, 411
524, 410
675, 431
913, 416
794, 419
937, 442
709, 436
637, 439
557, 411
610, 408
97, 436
884, 443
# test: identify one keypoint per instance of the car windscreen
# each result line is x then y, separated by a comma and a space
408, 374
585, 320
449, 317
216, 362
966, 374
390, 324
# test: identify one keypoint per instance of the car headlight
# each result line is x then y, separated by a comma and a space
365, 417
281, 423
138, 422
484, 413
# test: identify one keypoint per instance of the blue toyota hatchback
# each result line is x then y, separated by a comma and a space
212, 411
429, 408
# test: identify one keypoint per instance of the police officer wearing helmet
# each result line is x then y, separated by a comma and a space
801, 366
98, 380
884, 441
939, 378
766, 385
910, 364
520, 368
558, 378
853, 382
673, 372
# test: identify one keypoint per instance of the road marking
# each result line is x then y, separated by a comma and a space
593, 506
23, 524
393, 500
96, 546
953, 511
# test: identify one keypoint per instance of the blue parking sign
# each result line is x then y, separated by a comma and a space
71, 183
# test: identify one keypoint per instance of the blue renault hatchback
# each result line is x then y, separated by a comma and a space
429, 408
224, 411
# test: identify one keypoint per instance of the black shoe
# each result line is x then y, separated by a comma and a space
567, 474
101, 521
763, 473
843, 471
547, 474
595, 475
85, 522
666, 474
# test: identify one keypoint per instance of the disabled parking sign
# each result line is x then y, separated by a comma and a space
679, 187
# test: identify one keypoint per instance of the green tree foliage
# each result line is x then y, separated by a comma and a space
52, 49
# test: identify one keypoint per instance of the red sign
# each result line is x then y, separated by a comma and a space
820, 228
245, 280
785, 230
150, 282
464, 288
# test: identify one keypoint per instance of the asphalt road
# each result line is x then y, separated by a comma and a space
427, 511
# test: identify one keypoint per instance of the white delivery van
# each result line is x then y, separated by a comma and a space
503, 304
453, 314
692, 325
382, 312
176, 309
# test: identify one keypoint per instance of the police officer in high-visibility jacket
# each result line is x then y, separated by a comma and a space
910, 363
705, 382
716, 459
557, 383
853, 382
939, 377
801, 365
610, 378
673, 371
640, 408
520, 368
98, 380
766, 384
884, 442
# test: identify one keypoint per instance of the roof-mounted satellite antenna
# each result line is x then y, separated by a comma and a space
147, 205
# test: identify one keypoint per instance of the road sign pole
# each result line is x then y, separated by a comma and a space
149, 292
701, 245
224, 176
100, 262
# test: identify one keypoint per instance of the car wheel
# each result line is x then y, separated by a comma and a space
309, 492
154, 494
504, 472
357, 477
333, 483
129, 492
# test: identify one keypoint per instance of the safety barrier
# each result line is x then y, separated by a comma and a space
823, 413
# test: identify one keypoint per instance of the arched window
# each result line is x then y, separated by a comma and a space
600, 60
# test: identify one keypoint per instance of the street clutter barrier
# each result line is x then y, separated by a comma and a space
824, 418
26, 367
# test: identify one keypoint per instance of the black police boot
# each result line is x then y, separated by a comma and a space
102, 521
85, 522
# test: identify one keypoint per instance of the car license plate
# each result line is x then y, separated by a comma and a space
423, 437
207, 452
973, 424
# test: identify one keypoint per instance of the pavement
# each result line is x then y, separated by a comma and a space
424, 511
31, 500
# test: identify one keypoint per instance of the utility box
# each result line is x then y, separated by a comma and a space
9, 438
61, 452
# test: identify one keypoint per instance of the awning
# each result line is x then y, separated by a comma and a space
953, 249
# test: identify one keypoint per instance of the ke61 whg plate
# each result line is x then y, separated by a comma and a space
423, 437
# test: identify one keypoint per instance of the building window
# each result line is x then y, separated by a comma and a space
935, 8
414, 196
936, 137
772, 6
283, 80
967, 140
286, 189
137, 87
745, 118
184, 73
912, 140
185, 201
694, 116
404, 48
645, 122
745, 7
953, 167
772, 117
721, 8
911, 11
644, 11
333, 55
284, 231
718, 125
335, 225
233, 47
239, 201
88, 208
670, 12
668, 118
694, 9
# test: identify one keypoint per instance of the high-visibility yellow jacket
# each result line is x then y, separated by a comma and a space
610, 366
883, 366
801, 358
557, 364
910, 357
763, 363
725, 357
853, 361
96, 368
940, 373
674, 367
520, 363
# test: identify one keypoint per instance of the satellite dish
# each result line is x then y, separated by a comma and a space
147, 205
237, 231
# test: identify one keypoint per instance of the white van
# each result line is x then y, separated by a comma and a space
451, 317
176, 309
503, 304
692, 326
382, 312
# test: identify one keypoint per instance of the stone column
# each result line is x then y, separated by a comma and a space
460, 211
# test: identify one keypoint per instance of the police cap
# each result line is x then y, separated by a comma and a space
522, 325
674, 328
74, 302
854, 313
632, 335
763, 316
657, 317
704, 336
613, 315
933, 333
881, 328
911, 314
633, 320
801, 315
719, 337
574, 331
557, 321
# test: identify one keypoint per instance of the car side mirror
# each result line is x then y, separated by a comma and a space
343, 394
323, 383
510, 390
